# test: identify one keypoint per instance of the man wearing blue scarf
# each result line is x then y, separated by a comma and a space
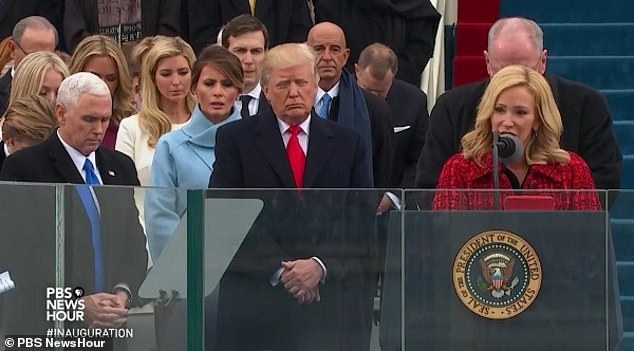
340, 99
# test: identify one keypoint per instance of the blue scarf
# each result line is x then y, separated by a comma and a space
353, 110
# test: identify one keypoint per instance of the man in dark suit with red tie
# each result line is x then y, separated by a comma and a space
297, 281
105, 246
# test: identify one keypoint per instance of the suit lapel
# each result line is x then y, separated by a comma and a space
263, 103
61, 161
106, 171
269, 140
320, 147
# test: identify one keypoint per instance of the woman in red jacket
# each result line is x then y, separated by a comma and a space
517, 101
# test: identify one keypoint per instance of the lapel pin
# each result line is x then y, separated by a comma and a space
111, 173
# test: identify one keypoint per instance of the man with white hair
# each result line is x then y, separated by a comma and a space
105, 246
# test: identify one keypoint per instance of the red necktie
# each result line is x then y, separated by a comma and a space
296, 155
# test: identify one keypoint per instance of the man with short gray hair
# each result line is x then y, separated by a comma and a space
105, 252
30, 34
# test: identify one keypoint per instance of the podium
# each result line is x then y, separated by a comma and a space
227, 222
500, 280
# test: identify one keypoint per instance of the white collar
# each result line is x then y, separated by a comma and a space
304, 126
255, 92
78, 158
333, 92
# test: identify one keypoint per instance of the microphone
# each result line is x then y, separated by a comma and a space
510, 148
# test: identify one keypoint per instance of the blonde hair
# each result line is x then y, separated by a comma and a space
30, 74
31, 117
285, 56
543, 145
152, 120
100, 45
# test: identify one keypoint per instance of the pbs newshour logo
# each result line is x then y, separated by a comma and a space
65, 304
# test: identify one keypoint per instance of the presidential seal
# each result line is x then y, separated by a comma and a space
497, 274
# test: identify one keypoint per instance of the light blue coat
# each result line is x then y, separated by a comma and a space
184, 158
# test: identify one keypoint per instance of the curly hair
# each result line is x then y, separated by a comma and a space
543, 145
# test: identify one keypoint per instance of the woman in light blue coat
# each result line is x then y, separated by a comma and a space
184, 158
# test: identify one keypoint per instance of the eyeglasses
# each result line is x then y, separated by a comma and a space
20, 47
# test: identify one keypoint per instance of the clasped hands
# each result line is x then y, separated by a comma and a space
104, 310
301, 279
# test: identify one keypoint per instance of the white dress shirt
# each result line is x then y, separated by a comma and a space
79, 159
255, 101
334, 92
303, 143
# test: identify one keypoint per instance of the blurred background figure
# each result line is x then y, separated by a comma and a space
102, 56
376, 72
286, 20
12, 11
40, 73
407, 26
126, 22
184, 158
29, 35
29, 120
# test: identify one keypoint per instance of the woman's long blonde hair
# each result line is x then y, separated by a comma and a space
101, 45
154, 121
543, 145
30, 74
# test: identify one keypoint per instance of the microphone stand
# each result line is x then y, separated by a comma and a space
496, 172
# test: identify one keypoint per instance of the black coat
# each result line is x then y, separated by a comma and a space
408, 105
5, 91
285, 20
158, 17
250, 154
407, 26
382, 136
27, 248
584, 113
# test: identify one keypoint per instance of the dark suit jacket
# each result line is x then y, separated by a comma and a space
11, 11
584, 113
5, 91
407, 26
382, 136
2, 154
250, 154
263, 103
285, 20
29, 222
408, 105
158, 17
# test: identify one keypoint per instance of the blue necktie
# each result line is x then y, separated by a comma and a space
93, 217
325, 106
